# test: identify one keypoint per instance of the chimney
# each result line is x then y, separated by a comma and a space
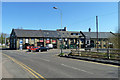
65, 28
89, 29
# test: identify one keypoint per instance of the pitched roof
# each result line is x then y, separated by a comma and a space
43, 33
58, 34
100, 34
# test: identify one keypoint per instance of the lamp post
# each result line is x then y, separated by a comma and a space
61, 26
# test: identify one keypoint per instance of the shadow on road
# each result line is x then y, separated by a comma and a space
6, 49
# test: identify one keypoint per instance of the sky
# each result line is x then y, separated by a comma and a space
76, 16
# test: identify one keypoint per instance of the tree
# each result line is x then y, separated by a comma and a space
115, 41
2, 37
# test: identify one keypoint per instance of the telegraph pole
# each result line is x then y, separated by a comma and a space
97, 31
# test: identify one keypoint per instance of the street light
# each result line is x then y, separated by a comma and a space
55, 7
61, 26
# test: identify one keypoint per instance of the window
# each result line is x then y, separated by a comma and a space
32, 39
104, 45
11, 40
12, 35
82, 40
72, 41
87, 42
74, 33
41, 39
14, 43
26, 40
54, 41
99, 45
47, 39
99, 40
103, 39
14, 40
78, 33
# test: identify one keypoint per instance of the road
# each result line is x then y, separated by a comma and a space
22, 64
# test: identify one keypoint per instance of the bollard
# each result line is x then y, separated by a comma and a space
108, 54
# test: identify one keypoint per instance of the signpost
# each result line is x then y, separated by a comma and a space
21, 42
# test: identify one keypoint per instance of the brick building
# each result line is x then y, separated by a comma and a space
71, 39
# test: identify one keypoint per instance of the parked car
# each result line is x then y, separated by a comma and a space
33, 49
28, 47
50, 46
42, 49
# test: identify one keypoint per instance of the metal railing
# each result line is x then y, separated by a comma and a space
113, 54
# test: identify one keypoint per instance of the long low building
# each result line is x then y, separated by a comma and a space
21, 38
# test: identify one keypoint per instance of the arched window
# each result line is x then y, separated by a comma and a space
92, 44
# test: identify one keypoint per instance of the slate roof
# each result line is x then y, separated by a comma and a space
58, 34
100, 34
44, 33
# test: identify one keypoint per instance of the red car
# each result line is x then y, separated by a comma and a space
33, 49
28, 47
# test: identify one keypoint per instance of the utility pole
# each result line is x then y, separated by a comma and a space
97, 30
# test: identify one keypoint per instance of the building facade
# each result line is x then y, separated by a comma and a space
20, 38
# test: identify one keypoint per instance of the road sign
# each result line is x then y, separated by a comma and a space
21, 42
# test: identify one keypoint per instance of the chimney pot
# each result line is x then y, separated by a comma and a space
65, 28
89, 29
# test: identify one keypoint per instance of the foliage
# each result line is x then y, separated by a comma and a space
2, 37
61, 54
116, 41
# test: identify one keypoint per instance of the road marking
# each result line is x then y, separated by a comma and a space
76, 68
45, 59
31, 71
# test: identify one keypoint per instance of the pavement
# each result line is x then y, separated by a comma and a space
105, 61
46, 65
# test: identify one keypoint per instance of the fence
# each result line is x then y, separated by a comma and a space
113, 54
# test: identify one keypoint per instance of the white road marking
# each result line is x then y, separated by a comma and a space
76, 68
45, 59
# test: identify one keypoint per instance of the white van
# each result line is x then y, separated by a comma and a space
50, 46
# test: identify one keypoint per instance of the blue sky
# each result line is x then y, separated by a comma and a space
77, 16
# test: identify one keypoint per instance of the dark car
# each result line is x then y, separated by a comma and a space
42, 49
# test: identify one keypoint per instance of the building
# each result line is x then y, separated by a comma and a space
21, 38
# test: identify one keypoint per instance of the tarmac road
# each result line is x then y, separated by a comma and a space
22, 64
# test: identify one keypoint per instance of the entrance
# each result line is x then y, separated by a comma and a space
40, 44
92, 44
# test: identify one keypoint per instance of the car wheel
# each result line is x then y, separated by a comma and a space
39, 50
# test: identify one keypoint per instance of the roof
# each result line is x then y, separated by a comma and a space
44, 33
100, 34
58, 34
